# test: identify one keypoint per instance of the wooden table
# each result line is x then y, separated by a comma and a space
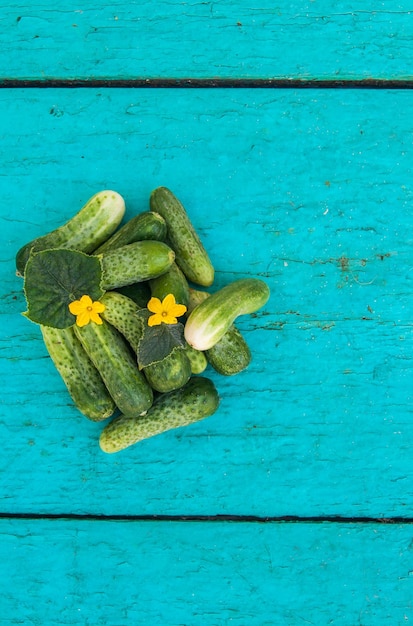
286, 129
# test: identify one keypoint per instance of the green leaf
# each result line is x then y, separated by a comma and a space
158, 342
53, 279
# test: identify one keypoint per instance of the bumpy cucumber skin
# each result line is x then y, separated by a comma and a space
196, 400
135, 262
112, 357
171, 373
231, 354
197, 359
211, 319
85, 231
173, 281
147, 225
191, 255
82, 379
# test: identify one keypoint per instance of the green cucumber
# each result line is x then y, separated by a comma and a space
134, 263
173, 281
82, 379
196, 297
170, 373
85, 231
211, 319
166, 375
111, 355
147, 225
191, 255
197, 359
231, 354
196, 400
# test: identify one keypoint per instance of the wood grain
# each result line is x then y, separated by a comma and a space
310, 191
320, 40
192, 573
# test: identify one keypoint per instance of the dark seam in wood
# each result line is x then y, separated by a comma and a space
336, 519
206, 83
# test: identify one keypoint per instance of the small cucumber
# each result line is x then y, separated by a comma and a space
191, 255
134, 263
197, 359
196, 400
173, 281
111, 355
196, 297
211, 319
231, 354
147, 225
85, 231
82, 379
171, 373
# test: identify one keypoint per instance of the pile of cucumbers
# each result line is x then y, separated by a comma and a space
156, 253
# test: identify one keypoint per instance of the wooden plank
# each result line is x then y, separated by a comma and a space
311, 191
302, 40
193, 573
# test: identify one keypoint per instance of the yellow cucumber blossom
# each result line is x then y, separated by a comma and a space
165, 312
86, 310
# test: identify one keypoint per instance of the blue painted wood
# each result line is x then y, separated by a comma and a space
311, 191
304, 39
158, 573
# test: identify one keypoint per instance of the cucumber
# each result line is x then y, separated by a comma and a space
197, 359
111, 355
134, 263
147, 225
196, 400
211, 319
231, 354
82, 379
171, 373
85, 231
191, 255
173, 281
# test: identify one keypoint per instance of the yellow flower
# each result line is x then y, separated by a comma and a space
86, 310
165, 312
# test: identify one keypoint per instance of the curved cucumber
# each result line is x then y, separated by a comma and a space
85, 231
147, 225
171, 373
134, 263
231, 354
173, 281
196, 400
211, 319
191, 255
82, 379
112, 357
197, 359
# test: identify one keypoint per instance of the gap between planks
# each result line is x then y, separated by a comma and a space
288, 519
205, 83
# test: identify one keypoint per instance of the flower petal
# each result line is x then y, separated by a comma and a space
169, 319
155, 320
155, 305
168, 302
83, 318
98, 307
76, 307
177, 310
86, 301
95, 317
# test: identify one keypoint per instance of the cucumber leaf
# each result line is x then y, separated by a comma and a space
157, 342
54, 278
